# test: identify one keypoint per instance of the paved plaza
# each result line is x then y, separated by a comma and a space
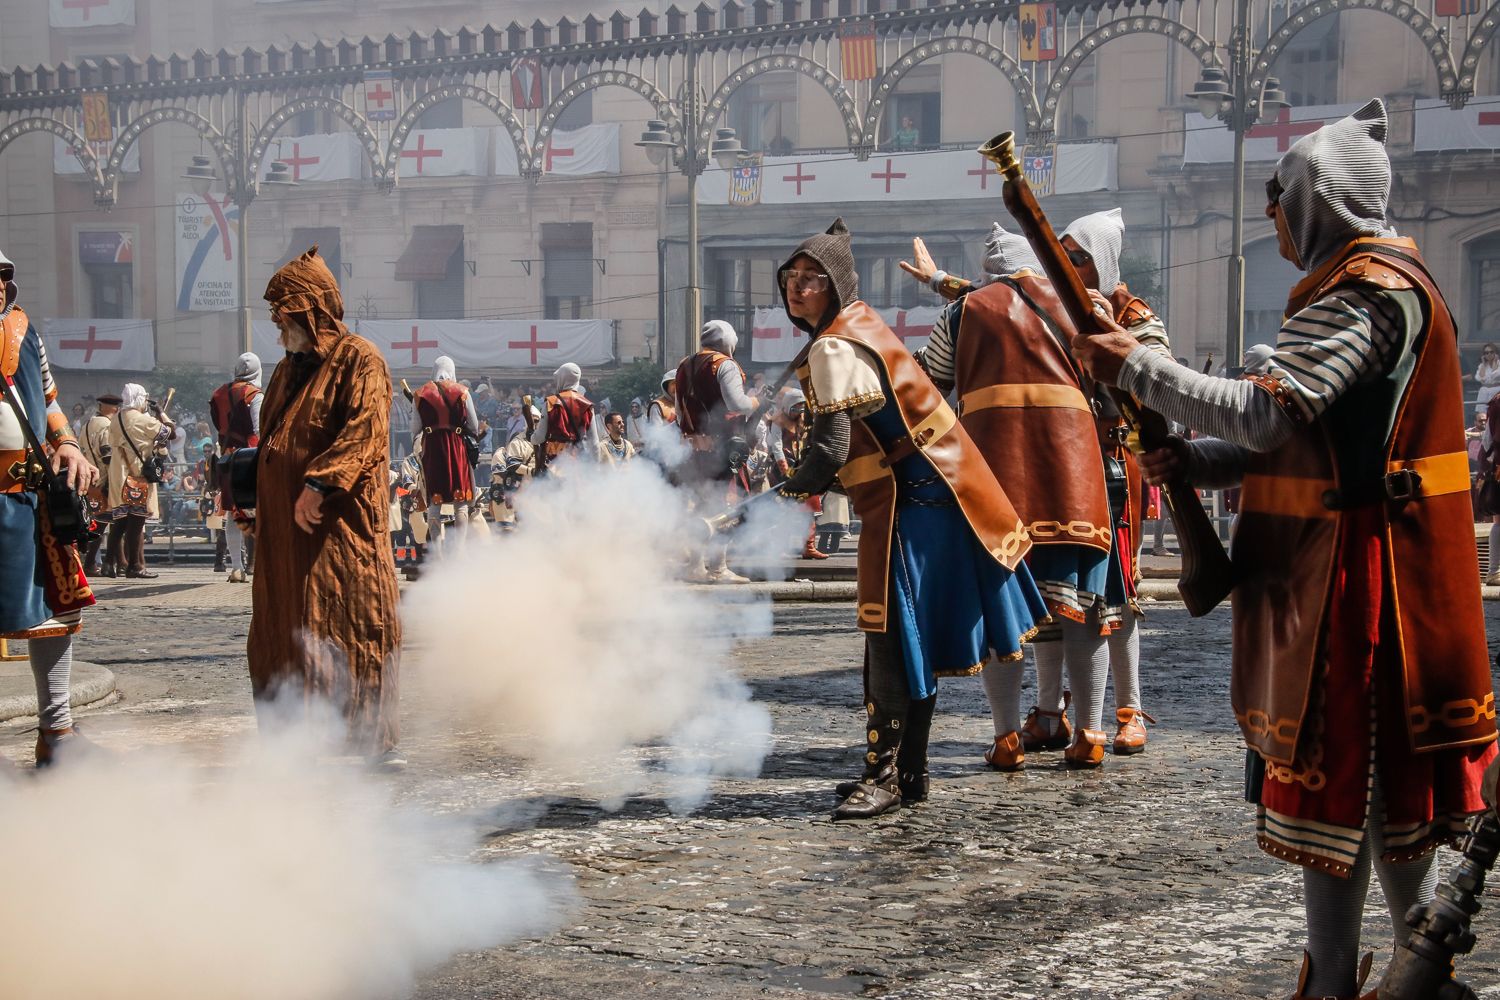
1137, 881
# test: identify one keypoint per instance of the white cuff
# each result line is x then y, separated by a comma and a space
936, 281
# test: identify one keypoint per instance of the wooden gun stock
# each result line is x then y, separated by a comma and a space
1206, 576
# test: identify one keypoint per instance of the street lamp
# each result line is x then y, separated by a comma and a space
201, 175
1228, 97
725, 150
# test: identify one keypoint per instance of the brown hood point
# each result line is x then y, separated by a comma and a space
830, 251
305, 285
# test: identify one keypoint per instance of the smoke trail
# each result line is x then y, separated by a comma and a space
571, 643
272, 878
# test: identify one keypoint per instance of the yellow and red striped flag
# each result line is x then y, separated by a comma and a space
857, 52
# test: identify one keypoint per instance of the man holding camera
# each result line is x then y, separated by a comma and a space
42, 587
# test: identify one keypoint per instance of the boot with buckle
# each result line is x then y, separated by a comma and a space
1364, 974
1037, 733
1086, 751
878, 790
1130, 735
1006, 753
911, 758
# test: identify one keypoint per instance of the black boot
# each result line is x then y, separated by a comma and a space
911, 759
878, 790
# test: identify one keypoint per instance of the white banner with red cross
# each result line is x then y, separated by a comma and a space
443, 152
414, 344
773, 338
1476, 125
575, 152
1209, 140
121, 345
90, 13
325, 156
937, 175
65, 162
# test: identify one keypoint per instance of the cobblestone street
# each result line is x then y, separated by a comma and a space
1137, 881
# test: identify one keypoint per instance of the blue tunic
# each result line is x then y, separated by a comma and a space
952, 603
23, 595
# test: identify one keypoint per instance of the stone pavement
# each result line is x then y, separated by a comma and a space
1137, 881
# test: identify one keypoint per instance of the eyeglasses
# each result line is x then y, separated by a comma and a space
1273, 190
805, 281
1080, 258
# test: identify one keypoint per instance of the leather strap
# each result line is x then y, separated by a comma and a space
1025, 394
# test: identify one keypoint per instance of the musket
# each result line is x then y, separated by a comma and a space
1206, 573
729, 520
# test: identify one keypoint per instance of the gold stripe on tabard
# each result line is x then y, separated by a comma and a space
1025, 394
1440, 474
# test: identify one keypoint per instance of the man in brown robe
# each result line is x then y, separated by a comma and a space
325, 602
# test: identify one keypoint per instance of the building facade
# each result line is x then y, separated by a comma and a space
479, 190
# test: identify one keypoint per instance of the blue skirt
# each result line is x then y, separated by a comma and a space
23, 592
951, 603
1078, 581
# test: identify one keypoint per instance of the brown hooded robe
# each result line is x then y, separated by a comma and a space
325, 603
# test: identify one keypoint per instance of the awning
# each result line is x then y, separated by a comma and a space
325, 238
427, 256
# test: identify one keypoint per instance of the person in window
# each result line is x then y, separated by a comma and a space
1488, 376
941, 582
907, 136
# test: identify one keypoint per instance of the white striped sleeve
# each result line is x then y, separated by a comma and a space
1343, 338
937, 356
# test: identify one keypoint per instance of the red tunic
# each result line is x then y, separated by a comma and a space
445, 464
233, 418
569, 417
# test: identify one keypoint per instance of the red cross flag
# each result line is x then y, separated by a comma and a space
121, 345
380, 96
90, 13
412, 345
578, 152
1474, 126
774, 339
443, 152
1209, 140
327, 156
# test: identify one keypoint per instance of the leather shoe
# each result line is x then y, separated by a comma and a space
1130, 737
913, 788
1006, 753
1038, 734
1087, 750
1363, 974
868, 801
144, 574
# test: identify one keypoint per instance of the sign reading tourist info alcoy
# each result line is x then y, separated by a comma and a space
414, 344
207, 274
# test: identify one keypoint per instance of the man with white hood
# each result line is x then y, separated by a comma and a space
714, 413
235, 408
569, 425
443, 410
1361, 679
134, 437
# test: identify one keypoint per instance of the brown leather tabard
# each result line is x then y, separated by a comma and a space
440, 405
1286, 545
230, 407
700, 400
933, 428
1021, 401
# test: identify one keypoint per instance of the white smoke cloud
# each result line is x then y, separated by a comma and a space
279, 876
571, 643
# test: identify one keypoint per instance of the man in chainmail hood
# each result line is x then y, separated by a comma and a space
1358, 629
942, 585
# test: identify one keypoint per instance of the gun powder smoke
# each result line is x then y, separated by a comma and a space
275, 877
570, 642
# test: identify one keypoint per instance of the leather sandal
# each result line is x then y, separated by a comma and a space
1130, 734
1037, 734
1006, 753
1086, 751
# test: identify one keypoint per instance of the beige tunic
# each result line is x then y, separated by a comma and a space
127, 490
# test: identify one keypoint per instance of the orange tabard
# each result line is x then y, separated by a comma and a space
1021, 401
934, 429
1285, 548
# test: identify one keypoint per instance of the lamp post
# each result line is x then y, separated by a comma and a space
725, 151
201, 176
1228, 97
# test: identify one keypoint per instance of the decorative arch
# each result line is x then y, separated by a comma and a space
448, 92
286, 113
1201, 48
991, 54
1421, 25
102, 194
531, 160
110, 179
1482, 35
714, 110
